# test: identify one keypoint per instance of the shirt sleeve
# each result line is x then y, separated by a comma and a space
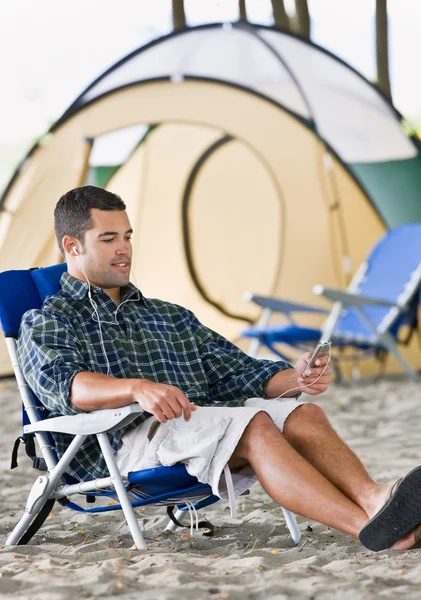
49, 358
233, 375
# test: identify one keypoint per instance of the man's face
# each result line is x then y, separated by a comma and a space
107, 253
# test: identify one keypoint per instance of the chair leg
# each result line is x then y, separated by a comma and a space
120, 489
290, 519
390, 344
292, 525
21, 528
29, 525
42, 491
38, 496
179, 515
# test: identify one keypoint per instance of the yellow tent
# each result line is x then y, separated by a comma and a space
249, 159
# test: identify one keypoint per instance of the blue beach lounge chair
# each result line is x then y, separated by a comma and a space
169, 486
382, 298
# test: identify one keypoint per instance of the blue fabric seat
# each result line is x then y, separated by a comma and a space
383, 297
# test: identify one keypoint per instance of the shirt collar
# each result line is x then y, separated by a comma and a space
79, 289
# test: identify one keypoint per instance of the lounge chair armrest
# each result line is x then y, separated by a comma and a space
348, 298
282, 306
97, 421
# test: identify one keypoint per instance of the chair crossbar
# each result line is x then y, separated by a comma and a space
84, 487
162, 500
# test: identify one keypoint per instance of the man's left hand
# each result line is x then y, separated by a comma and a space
313, 374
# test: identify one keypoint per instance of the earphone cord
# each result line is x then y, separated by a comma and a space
95, 309
96, 314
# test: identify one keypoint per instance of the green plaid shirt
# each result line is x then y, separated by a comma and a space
148, 338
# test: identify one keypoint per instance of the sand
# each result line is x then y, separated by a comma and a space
90, 556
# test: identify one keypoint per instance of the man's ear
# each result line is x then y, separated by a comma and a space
71, 245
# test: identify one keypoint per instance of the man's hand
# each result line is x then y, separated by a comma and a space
163, 401
312, 374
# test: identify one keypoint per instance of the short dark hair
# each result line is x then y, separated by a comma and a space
72, 214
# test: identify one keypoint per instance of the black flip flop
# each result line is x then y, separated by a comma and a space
400, 514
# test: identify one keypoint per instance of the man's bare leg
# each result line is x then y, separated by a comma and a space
309, 432
294, 483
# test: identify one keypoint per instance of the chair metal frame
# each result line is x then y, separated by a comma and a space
381, 336
51, 484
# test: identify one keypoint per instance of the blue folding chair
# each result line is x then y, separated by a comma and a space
382, 298
170, 486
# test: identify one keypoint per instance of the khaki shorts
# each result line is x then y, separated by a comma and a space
204, 444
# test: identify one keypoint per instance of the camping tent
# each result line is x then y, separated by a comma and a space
249, 159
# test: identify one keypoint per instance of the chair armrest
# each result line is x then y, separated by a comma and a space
282, 306
350, 299
97, 421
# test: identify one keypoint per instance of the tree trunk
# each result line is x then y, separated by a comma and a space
302, 18
178, 14
280, 15
243, 11
382, 48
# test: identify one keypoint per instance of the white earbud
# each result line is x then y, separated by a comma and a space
75, 251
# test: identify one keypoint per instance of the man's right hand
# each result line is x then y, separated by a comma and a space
163, 401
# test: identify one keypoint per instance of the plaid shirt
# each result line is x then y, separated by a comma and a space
146, 338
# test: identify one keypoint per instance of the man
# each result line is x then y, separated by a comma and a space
99, 343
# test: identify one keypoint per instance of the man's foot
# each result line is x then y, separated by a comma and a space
393, 525
377, 502
377, 498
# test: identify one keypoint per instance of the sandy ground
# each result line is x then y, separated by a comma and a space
90, 556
